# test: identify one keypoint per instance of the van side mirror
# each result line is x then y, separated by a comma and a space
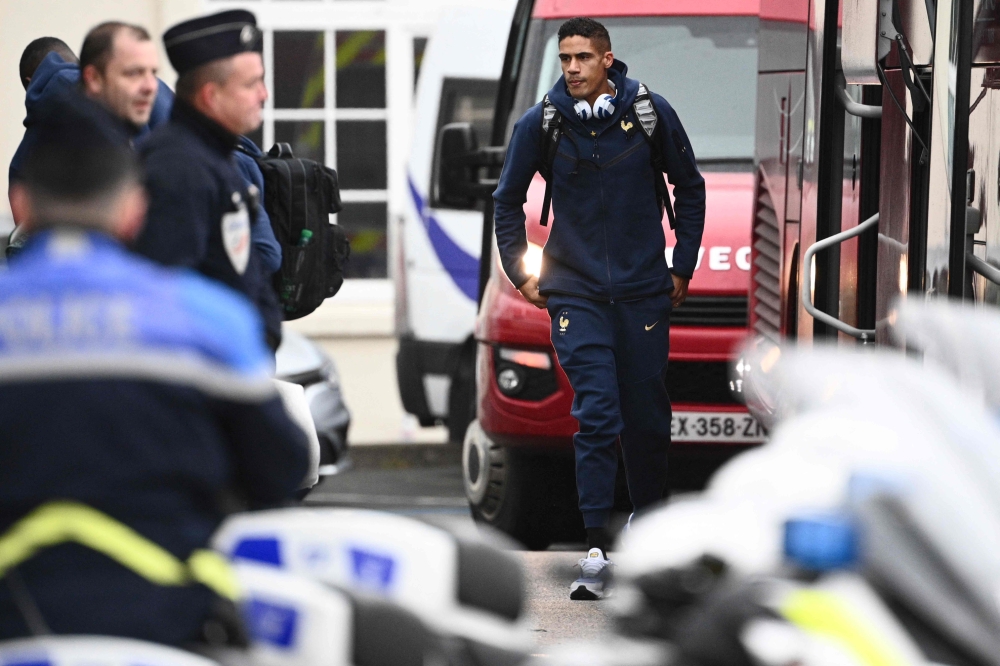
457, 163
454, 173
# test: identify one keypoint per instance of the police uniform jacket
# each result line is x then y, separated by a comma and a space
607, 240
200, 211
141, 392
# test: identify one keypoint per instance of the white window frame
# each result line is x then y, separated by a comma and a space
329, 114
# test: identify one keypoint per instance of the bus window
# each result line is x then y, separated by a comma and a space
706, 67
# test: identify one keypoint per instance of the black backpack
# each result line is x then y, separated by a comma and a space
648, 122
299, 196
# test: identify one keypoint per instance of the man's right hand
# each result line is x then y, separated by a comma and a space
530, 292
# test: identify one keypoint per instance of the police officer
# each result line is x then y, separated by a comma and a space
135, 405
200, 210
604, 276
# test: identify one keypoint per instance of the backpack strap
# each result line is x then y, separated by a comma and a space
551, 134
645, 113
281, 150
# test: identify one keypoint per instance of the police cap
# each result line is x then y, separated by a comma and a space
193, 43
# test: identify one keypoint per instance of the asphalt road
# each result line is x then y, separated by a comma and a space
437, 490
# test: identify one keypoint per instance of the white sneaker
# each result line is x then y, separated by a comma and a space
595, 577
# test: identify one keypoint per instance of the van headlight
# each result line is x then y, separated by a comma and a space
532, 261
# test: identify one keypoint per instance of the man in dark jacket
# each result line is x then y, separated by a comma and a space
604, 276
36, 51
55, 74
50, 71
135, 406
200, 209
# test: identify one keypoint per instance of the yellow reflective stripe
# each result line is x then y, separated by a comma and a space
211, 569
823, 613
59, 522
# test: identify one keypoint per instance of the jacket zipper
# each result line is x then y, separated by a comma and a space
623, 156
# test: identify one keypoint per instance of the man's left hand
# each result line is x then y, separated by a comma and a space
680, 292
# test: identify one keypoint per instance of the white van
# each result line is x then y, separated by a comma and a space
438, 248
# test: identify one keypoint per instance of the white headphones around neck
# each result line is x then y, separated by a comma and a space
604, 106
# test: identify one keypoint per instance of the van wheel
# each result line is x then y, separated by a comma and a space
506, 490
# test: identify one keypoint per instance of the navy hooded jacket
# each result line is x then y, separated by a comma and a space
52, 81
607, 239
260, 230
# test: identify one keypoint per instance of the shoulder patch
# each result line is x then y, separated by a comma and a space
236, 235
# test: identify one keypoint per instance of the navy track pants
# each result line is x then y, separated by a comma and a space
615, 355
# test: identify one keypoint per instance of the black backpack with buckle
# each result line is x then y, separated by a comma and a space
299, 196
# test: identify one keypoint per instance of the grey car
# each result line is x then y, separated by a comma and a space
302, 362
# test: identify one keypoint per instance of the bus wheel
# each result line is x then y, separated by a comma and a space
505, 490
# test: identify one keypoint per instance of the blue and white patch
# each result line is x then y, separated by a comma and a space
374, 571
316, 557
271, 623
41, 661
265, 550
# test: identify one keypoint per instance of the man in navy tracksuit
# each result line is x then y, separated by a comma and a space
604, 276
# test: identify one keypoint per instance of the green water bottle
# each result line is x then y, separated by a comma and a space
304, 239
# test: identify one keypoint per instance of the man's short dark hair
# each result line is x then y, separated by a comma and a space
98, 45
80, 162
589, 28
35, 52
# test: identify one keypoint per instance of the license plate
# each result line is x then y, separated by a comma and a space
728, 427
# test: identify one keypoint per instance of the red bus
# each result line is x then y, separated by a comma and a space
876, 172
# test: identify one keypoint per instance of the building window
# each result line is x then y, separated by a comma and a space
361, 69
298, 70
306, 138
328, 101
361, 154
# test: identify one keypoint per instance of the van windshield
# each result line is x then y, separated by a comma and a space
706, 67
